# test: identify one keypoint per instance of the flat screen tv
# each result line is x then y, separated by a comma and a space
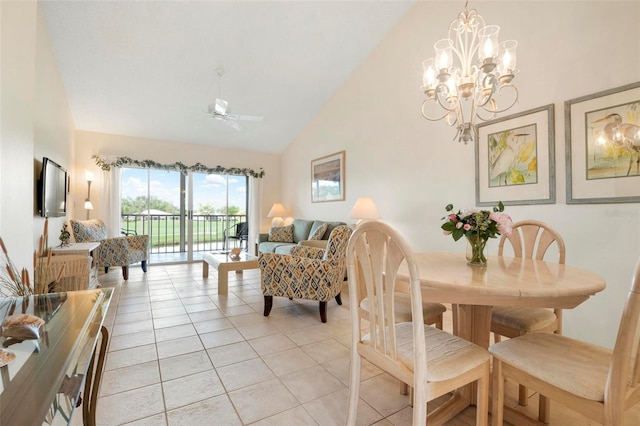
52, 189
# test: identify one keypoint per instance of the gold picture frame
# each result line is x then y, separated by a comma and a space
327, 178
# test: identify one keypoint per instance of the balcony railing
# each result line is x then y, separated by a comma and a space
168, 233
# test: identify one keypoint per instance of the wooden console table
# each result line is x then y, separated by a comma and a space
81, 249
42, 384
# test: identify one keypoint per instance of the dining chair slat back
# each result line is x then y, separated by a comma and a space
599, 383
432, 361
532, 239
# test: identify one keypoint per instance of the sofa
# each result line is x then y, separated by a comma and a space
301, 232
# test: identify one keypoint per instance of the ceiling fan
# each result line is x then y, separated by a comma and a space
219, 110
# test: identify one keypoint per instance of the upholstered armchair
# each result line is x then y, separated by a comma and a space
307, 273
118, 251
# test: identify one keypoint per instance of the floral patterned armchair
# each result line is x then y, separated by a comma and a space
307, 273
118, 251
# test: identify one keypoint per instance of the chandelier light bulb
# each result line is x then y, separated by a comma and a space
508, 59
429, 75
444, 59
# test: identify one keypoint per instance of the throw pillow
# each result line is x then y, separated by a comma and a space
319, 232
281, 234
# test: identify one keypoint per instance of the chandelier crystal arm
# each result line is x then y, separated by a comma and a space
427, 116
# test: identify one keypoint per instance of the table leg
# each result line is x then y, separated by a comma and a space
205, 269
474, 324
223, 280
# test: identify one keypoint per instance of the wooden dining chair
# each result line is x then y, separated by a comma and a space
594, 381
434, 362
530, 239
432, 314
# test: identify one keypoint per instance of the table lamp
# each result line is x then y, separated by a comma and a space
364, 209
277, 212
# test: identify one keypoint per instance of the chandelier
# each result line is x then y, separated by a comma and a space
468, 90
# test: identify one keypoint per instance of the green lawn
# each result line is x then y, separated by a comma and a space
164, 232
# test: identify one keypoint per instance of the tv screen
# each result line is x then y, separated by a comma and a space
52, 195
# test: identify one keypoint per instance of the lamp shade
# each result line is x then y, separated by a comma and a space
88, 205
277, 210
364, 208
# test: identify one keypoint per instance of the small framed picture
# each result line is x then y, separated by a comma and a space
327, 178
602, 137
515, 159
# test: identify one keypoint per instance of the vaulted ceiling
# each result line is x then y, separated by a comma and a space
148, 68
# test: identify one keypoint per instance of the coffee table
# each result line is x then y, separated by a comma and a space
224, 263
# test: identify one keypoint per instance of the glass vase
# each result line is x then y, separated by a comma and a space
475, 251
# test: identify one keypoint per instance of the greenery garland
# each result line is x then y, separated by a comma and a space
178, 166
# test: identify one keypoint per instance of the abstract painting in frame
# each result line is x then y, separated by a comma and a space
515, 159
602, 137
327, 178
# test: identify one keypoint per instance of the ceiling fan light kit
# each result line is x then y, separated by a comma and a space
220, 109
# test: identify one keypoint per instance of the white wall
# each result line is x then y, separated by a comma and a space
166, 152
35, 122
412, 168
16, 155
53, 126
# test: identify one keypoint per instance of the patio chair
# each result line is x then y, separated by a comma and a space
238, 232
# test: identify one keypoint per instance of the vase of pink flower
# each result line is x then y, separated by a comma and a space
477, 226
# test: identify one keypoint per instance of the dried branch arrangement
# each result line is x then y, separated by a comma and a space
14, 283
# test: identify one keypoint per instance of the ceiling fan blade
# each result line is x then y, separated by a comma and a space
250, 117
234, 125
238, 117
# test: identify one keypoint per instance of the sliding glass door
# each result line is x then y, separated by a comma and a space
184, 215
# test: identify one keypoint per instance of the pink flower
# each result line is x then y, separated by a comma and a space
453, 218
467, 226
504, 222
459, 225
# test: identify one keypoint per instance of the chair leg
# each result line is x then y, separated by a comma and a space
482, 405
339, 298
438, 323
404, 390
144, 266
106, 269
323, 311
354, 387
497, 403
268, 304
125, 272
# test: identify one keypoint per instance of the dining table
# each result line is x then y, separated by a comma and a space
504, 281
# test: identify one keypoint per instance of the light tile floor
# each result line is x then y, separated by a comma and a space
180, 354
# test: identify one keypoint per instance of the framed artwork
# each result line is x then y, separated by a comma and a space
602, 137
515, 159
327, 178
